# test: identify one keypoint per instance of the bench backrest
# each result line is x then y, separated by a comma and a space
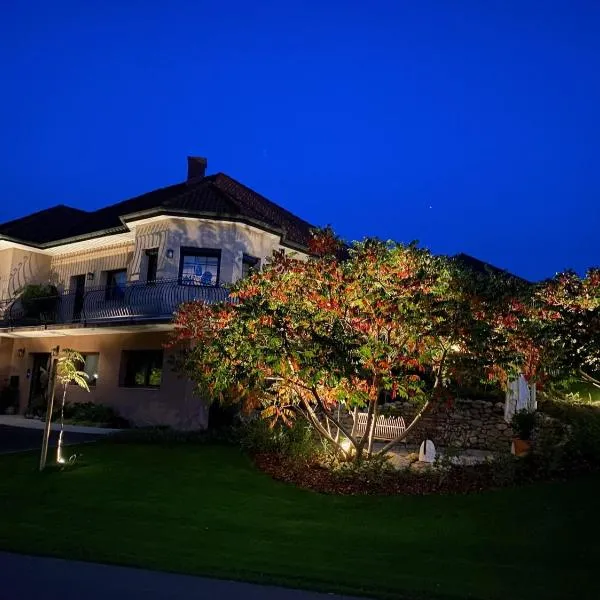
386, 428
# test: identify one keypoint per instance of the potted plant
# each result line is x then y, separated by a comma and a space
523, 424
39, 300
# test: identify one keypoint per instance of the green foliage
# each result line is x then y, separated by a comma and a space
9, 399
574, 437
569, 332
68, 370
164, 435
365, 472
318, 338
90, 413
38, 300
523, 424
298, 441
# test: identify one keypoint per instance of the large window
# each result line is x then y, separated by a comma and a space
115, 284
90, 366
249, 264
142, 368
199, 266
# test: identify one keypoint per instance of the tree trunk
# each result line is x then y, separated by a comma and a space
48, 424
413, 424
365, 436
59, 457
312, 417
372, 432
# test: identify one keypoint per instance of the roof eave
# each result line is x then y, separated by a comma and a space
183, 212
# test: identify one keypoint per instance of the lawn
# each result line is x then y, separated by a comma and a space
206, 510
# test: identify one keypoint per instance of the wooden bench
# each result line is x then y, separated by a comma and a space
386, 428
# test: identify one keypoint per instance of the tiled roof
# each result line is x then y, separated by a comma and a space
46, 225
482, 267
214, 195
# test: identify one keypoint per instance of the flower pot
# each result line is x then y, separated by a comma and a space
520, 447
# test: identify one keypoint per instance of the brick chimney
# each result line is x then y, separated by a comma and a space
196, 167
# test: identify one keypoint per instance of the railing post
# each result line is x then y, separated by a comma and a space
83, 317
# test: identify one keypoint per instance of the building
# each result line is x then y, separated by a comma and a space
107, 282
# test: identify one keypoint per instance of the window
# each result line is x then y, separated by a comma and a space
151, 265
90, 367
249, 264
199, 266
142, 368
115, 284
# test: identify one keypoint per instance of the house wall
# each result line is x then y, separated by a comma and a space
97, 261
6, 356
172, 404
18, 267
233, 239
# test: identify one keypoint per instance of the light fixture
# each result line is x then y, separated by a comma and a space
21, 352
170, 253
55, 350
90, 276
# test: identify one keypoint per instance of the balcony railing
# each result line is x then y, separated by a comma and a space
141, 301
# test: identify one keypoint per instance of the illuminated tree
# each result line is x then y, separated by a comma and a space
67, 373
569, 308
321, 338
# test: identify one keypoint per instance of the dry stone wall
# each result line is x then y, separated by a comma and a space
476, 424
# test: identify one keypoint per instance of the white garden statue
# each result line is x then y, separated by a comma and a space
427, 452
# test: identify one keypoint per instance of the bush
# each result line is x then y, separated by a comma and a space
298, 442
523, 424
39, 300
163, 435
91, 413
9, 400
571, 438
365, 471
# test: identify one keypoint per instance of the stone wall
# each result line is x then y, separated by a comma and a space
466, 424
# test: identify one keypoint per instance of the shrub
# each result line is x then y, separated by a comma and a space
39, 300
92, 413
572, 436
523, 424
163, 435
298, 442
9, 399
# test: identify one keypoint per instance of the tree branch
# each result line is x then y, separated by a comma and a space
589, 379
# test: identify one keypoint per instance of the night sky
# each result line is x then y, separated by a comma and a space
469, 126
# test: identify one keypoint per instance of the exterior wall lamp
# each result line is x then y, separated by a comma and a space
90, 276
56, 351
20, 352
170, 253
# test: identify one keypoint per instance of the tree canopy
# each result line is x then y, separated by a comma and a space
320, 338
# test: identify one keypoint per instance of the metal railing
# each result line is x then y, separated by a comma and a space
134, 301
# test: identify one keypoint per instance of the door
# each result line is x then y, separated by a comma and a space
38, 387
78, 286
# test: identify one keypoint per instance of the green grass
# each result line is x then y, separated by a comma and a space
206, 510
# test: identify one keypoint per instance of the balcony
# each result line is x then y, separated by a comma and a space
142, 302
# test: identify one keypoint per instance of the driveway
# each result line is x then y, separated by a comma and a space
36, 577
20, 439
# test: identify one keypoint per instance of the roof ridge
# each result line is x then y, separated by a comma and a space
272, 204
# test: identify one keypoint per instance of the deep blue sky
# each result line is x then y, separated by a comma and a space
470, 126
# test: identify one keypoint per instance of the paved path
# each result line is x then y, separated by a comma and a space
24, 577
20, 439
